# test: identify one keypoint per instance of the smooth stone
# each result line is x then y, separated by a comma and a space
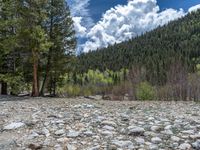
155, 128
60, 132
135, 131
84, 106
109, 123
153, 147
94, 148
73, 134
123, 144
175, 138
188, 132
106, 127
194, 137
167, 132
196, 145
33, 135
150, 133
124, 117
14, 125
71, 147
139, 140
156, 140
58, 147
88, 133
112, 147
151, 118
175, 145
45, 132
185, 146
106, 133
168, 127
63, 140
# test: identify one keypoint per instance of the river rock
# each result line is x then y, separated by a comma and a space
185, 146
123, 144
135, 131
14, 125
73, 134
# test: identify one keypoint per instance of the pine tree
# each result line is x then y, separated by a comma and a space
31, 34
8, 23
59, 28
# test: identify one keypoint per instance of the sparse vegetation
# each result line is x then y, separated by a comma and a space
145, 91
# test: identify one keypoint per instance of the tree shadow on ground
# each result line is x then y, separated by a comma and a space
13, 98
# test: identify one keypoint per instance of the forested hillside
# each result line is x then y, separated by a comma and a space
178, 41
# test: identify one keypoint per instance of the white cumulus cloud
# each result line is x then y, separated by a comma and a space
80, 30
124, 22
81, 16
194, 8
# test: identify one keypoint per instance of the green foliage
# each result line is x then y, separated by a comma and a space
70, 90
61, 33
87, 91
145, 91
98, 78
93, 82
39, 33
15, 82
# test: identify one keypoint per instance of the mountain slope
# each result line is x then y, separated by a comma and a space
156, 50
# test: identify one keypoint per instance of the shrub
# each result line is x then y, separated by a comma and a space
70, 90
87, 91
145, 91
164, 92
15, 83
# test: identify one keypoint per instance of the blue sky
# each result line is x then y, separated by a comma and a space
176, 4
97, 7
100, 23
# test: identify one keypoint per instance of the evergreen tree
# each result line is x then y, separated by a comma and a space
59, 27
8, 23
31, 34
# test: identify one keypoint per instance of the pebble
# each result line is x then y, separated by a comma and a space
135, 131
155, 128
60, 132
185, 146
139, 140
196, 145
14, 125
123, 144
156, 140
109, 123
175, 138
106, 127
73, 134
95, 124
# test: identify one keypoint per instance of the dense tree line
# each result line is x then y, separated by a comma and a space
178, 41
37, 39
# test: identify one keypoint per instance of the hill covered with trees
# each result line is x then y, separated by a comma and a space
160, 64
178, 41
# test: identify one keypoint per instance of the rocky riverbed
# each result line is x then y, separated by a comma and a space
83, 124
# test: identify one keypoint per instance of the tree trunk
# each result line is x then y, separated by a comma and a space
54, 88
35, 89
4, 88
45, 76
